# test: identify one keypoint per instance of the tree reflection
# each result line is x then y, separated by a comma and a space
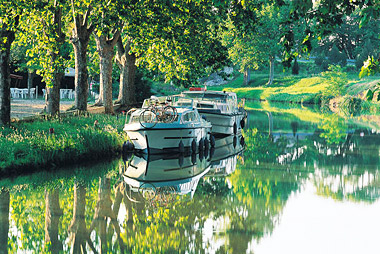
78, 229
103, 211
4, 220
52, 214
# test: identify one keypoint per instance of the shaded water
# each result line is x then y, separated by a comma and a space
306, 182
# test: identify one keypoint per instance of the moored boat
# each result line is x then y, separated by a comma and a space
161, 128
227, 117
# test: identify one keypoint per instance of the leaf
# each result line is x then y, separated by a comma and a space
369, 95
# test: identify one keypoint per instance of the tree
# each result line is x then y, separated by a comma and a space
106, 36
176, 40
127, 64
259, 45
105, 46
80, 39
21, 59
336, 57
10, 12
296, 67
325, 17
50, 53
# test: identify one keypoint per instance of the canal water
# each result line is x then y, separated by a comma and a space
297, 181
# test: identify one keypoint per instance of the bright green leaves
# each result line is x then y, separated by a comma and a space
370, 67
174, 38
337, 79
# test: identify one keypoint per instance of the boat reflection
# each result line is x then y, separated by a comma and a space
149, 176
225, 155
164, 175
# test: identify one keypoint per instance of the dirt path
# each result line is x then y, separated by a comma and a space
21, 108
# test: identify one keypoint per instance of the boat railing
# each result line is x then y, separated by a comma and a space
182, 102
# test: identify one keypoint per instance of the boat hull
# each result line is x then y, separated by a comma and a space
224, 124
164, 140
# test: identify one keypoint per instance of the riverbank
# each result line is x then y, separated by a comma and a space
300, 89
27, 147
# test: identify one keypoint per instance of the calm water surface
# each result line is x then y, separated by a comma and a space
305, 182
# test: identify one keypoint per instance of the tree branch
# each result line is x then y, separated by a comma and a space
115, 38
86, 16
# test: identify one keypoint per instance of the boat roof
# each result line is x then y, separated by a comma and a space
210, 93
179, 109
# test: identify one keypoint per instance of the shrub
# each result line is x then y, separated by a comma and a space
337, 80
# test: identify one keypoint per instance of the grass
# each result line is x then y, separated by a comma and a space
31, 146
290, 90
304, 88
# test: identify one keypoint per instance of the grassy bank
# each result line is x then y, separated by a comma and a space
26, 147
308, 89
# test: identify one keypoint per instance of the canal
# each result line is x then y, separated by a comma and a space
300, 181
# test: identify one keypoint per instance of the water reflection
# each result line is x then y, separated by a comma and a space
4, 220
159, 178
226, 200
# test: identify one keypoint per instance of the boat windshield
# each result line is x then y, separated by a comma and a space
134, 119
190, 116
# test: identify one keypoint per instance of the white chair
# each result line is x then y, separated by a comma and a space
13, 93
24, 93
71, 94
18, 93
32, 92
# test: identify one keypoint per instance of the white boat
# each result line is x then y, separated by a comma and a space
150, 131
227, 117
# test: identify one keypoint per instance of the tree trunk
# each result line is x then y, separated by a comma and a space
5, 80
4, 221
247, 76
271, 70
53, 212
53, 96
127, 64
80, 40
81, 74
52, 89
105, 49
30, 81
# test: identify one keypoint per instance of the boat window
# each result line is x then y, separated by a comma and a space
221, 97
202, 105
194, 95
189, 117
223, 107
134, 119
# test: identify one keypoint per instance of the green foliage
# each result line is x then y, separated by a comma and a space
336, 57
370, 67
337, 81
177, 39
261, 147
351, 106
252, 48
29, 145
43, 36
334, 129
